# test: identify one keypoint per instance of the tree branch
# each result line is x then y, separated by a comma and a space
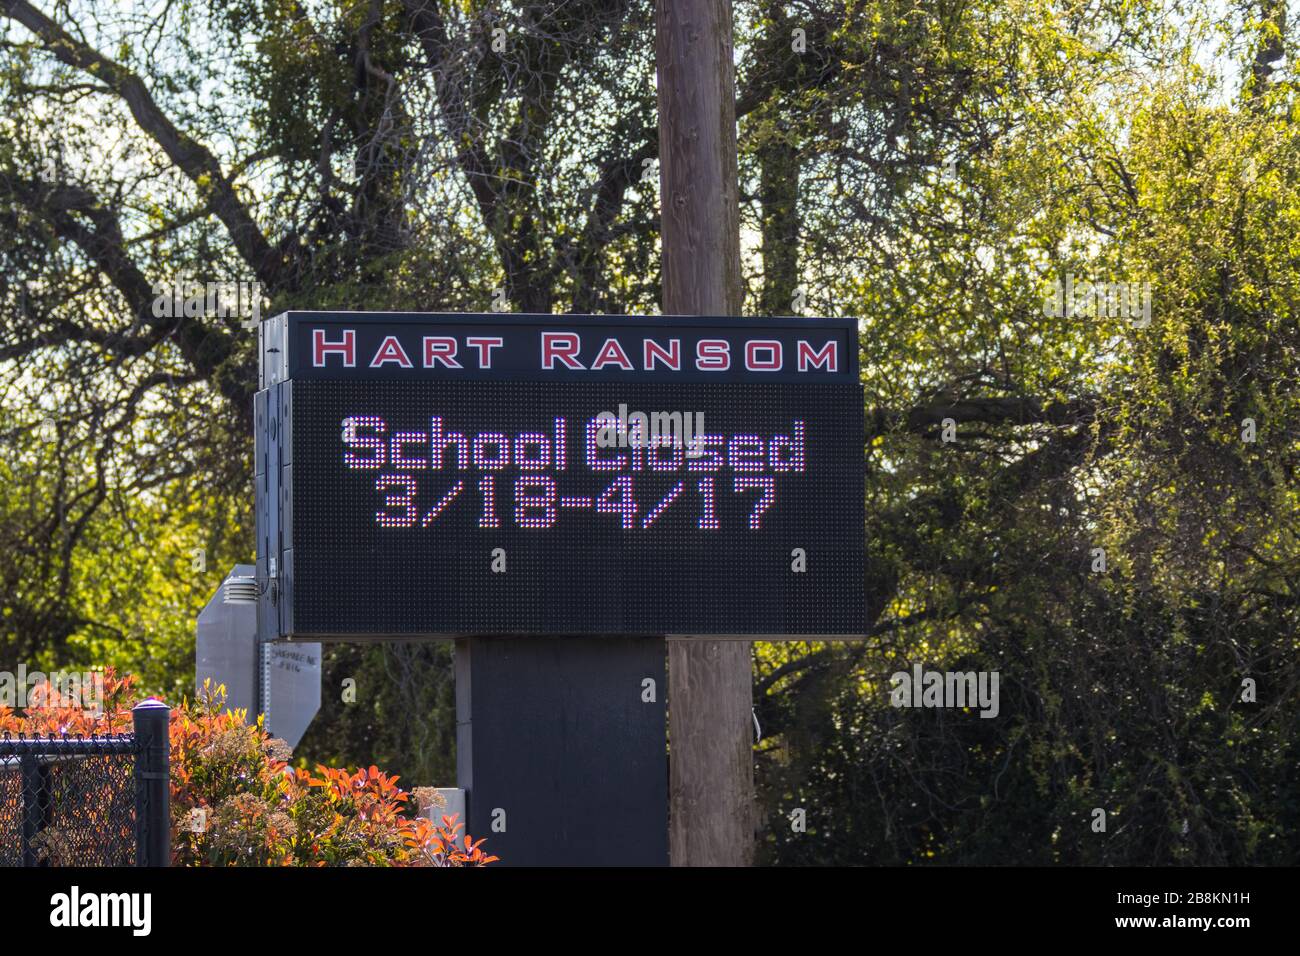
1015, 410
190, 156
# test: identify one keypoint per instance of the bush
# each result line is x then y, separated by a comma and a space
236, 801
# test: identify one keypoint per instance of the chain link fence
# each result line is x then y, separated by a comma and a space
96, 801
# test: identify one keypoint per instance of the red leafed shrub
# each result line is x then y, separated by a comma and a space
236, 801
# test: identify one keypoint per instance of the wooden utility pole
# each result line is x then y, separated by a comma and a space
711, 761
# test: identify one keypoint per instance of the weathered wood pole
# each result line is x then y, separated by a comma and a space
711, 775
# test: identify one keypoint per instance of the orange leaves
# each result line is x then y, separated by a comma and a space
237, 802
45, 712
441, 844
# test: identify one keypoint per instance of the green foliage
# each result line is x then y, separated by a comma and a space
369, 719
1121, 690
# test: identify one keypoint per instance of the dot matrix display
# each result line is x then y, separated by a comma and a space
680, 517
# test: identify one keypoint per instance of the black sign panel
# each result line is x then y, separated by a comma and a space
485, 492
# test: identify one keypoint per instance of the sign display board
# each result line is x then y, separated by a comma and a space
452, 475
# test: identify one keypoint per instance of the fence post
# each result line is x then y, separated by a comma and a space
152, 783
30, 789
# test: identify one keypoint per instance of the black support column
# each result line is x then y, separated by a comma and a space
562, 742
